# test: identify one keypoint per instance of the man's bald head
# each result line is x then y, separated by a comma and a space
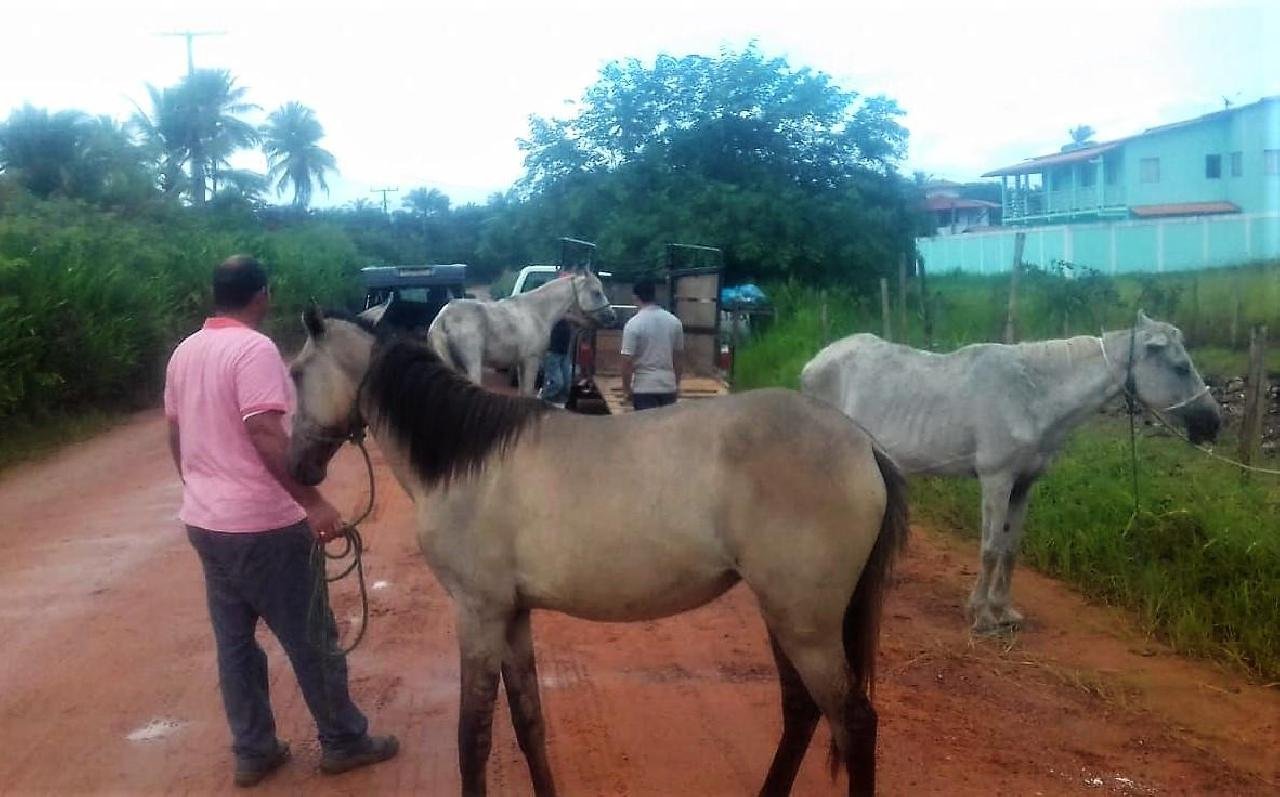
237, 281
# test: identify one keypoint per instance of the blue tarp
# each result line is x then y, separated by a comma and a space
747, 293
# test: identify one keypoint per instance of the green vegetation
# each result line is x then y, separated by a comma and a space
792, 175
1200, 564
109, 231
91, 303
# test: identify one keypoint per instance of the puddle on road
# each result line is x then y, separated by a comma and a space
381, 584
154, 730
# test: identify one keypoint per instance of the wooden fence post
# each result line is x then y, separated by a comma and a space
885, 311
903, 326
824, 319
1235, 312
1256, 395
1011, 321
926, 311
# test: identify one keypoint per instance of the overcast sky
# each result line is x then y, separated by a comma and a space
436, 93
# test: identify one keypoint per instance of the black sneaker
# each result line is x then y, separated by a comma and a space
373, 750
252, 771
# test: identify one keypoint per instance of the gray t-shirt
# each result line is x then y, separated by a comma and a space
651, 339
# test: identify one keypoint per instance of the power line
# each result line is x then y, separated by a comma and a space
191, 35
384, 192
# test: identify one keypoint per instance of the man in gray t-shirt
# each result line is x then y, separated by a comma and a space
651, 344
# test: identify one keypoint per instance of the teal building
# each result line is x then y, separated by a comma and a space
1199, 193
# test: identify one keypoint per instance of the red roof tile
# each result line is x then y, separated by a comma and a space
1184, 209
947, 203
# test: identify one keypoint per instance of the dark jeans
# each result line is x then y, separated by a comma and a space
650, 401
268, 575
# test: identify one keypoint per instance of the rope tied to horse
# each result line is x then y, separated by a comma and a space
319, 610
1133, 402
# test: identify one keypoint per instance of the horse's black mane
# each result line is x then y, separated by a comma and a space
450, 426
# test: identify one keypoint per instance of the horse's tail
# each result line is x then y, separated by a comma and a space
862, 616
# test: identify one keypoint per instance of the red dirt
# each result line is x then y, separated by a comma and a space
104, 629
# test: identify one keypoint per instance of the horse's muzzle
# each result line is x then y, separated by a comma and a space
605, 318
308, 474
1203, 420
309, 465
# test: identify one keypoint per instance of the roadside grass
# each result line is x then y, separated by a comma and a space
1199, 564
25, 441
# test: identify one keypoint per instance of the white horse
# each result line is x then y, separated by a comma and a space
520, 507
515, 332
1001, 413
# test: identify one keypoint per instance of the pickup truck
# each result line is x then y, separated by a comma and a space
419, 292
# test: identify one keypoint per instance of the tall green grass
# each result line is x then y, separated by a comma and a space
1200, 564
91, 303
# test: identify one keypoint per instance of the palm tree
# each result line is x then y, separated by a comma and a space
164, 136
1081, 137
112, 168
42, 151
426, 202
296, 160
213, 103
197, 124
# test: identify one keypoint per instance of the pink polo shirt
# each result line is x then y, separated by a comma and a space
216, 378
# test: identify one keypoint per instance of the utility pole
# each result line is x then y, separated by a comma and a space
384, 192
190, 35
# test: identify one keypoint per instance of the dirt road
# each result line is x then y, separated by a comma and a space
107, 679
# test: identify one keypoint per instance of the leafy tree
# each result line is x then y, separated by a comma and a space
790, 173
296, 160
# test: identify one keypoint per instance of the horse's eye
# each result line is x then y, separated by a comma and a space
1183, 369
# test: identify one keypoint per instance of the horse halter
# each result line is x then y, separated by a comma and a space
577, 299
1130, 386
355, 432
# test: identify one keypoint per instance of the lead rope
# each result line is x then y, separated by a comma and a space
319, 610
1133, 400
1131, 405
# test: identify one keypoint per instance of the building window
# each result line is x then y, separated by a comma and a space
1149, 170
1088, 175
1271, 162
1237, 164
1212, 166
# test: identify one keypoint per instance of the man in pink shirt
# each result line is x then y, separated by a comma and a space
227, 392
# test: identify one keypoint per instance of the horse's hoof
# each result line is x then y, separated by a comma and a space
1010, 617
984, 622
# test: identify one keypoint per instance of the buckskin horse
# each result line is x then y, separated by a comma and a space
520, 506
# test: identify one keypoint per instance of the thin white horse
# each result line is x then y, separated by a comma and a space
1001, 413
515, 332
520, 507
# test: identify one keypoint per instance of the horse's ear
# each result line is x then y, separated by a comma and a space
313, 320
1143, 318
